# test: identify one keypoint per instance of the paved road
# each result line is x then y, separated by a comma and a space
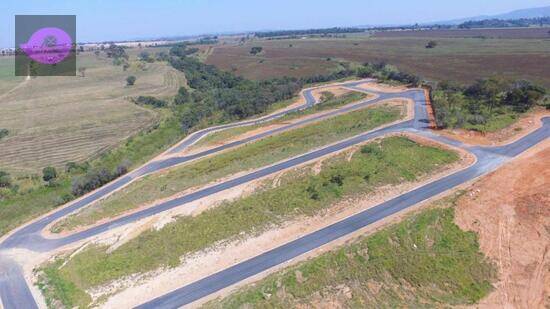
15, 293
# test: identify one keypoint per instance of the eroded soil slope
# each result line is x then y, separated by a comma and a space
510, 211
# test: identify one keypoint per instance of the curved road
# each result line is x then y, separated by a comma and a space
15, 293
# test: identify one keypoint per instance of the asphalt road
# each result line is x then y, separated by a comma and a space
15, 293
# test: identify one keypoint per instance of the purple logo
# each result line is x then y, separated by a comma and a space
48, 45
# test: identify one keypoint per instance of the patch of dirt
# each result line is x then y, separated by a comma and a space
336, 90
382, 87
526, 124
209, 261
510, 211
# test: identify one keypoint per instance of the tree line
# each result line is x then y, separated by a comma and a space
506, 23
268, 34
484, 101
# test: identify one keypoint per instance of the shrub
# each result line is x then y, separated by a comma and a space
130, 80
4, 133
151, 101
5, 180
49, 173
256, 50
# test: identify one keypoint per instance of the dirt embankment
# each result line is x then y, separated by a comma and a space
510, 211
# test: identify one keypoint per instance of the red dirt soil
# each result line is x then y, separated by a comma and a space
510, 211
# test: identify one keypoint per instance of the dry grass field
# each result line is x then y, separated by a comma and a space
459, 59
53, 120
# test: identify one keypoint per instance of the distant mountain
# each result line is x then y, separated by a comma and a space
523, 13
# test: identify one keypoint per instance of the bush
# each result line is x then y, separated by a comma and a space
5, 180
151, 101
431, 44
4, 133
49, 173
130, 80
256, 50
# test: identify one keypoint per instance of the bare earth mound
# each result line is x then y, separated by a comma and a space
509, 210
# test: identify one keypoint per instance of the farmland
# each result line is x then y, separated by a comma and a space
55, 120
459, 59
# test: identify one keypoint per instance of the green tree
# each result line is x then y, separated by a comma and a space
4, 133
130, 80
5, 180
49, 173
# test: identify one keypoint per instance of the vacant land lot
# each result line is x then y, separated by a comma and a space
249, 156
459, 59
53, 120
300, 193
425, 261
509, 210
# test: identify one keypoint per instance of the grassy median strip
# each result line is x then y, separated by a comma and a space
335, 102
389, 161
423, 262
253, 155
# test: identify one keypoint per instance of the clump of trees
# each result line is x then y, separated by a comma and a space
151, 101
486, 100
146, 57
221, 96
96, 178
386, 72
256, 50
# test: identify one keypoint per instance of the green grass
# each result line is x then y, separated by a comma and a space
249, 156
33, 198
495, 122
425, 261
59, 292
225, 135
389, 161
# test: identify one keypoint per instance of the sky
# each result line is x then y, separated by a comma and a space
104, 20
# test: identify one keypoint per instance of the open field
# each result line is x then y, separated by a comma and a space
458, 59
53, 120
424, 261
254, 155
509, 33
299, 193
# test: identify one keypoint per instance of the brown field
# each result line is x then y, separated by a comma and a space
511, 33
53, 120
459, 59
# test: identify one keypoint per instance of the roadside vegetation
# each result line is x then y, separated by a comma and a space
487, 105
326, 103
424, 261
249, 156
300, 193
